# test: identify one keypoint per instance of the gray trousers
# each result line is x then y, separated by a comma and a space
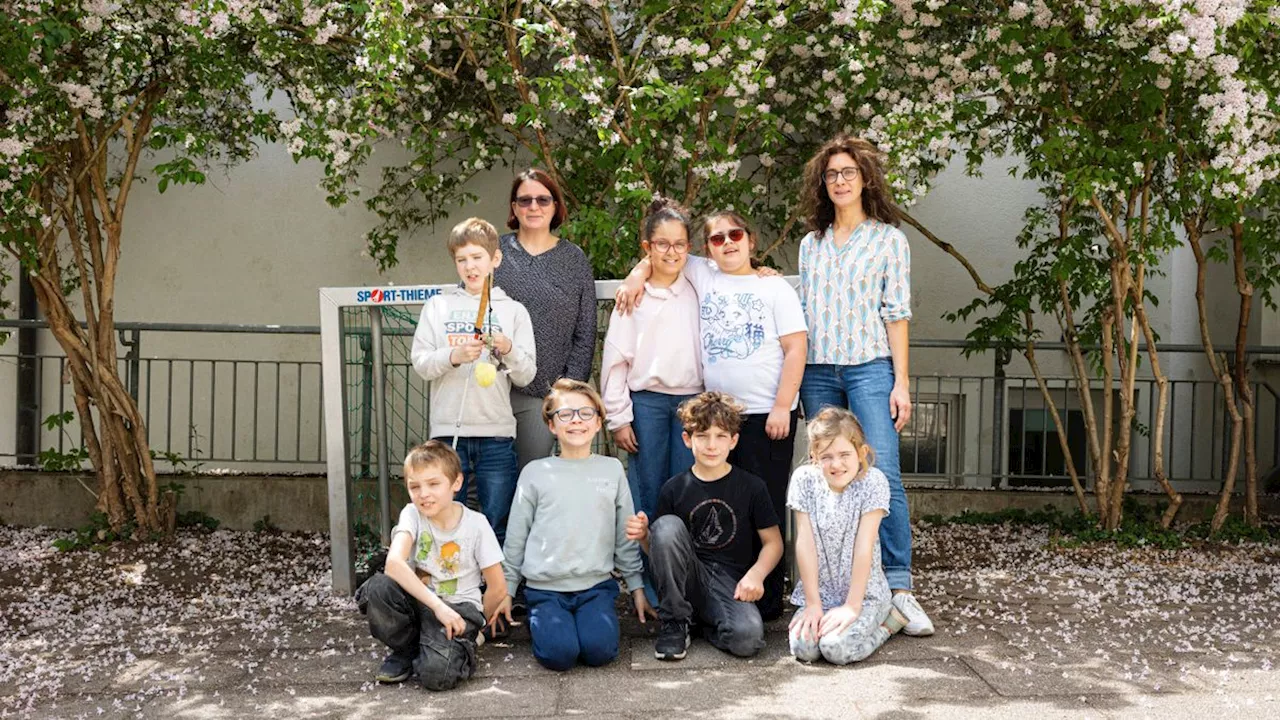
405, 625
533, 439
689, 588
857, 642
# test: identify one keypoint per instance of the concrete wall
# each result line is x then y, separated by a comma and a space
299, 502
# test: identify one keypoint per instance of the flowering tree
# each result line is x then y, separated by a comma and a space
1148, 124
717, 104
88, 90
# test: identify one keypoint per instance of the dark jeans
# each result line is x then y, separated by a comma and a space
770, 460
689, 588
569, 626
491, 461
864, 391
405, 625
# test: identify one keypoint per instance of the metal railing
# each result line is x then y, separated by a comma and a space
972, 427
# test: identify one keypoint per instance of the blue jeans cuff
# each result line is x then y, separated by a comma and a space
899, 578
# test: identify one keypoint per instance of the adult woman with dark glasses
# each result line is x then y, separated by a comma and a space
855, 284
553, 280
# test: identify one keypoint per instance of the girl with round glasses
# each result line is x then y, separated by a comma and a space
650, 363
553, 280
855, 285
751, 346
567, 535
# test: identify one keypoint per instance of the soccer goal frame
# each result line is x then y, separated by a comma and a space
335, 366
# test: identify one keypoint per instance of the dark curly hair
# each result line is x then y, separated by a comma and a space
820, 212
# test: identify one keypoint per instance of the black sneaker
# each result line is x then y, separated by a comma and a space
673, 640
395, 669
519, 606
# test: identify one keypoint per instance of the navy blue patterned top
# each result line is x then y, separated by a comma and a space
558, 290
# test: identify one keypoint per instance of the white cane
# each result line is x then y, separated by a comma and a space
457, 426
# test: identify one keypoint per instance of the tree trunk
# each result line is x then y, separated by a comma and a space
90, 223
1240, 371
1194, 229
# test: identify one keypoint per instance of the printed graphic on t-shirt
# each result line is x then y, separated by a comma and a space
732, 325
461, 326
714, 524
449, 561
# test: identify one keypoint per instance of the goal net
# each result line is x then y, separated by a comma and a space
376, 408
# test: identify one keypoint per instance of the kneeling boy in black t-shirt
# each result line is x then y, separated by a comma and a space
700, 544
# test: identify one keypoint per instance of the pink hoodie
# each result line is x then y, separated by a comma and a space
655, 348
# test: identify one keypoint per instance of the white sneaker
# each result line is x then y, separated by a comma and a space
918, 624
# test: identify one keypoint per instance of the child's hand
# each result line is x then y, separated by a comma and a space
749, 589
778, 425
837, 620
628, 295
502, 344
807, 622
638, 527
626, 439
453, 623
643, 608
500, 614
766, 271
467, 352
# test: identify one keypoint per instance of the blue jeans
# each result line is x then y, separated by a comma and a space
662, 456
491, 461
569, 626
864, 391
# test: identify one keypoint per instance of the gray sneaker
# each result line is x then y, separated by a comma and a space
918, 623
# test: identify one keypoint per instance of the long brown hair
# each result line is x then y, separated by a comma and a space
539, 176
820, 211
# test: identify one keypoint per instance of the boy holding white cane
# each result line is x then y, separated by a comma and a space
457, 329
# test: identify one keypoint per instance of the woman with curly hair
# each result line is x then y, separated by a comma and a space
855, 286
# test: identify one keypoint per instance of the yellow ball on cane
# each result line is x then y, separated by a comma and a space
486, 373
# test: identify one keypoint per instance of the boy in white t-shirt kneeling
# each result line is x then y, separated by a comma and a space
427, 605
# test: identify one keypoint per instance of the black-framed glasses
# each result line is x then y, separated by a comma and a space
730, 235
663, 246
586, 414
525, 201
848, 174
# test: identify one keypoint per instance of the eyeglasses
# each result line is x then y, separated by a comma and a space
731, 235
525, 201
663, 246
566, 415
849, 174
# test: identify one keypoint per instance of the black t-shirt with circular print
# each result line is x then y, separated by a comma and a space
724, 516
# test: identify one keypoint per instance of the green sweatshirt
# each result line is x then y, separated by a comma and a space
567, 529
